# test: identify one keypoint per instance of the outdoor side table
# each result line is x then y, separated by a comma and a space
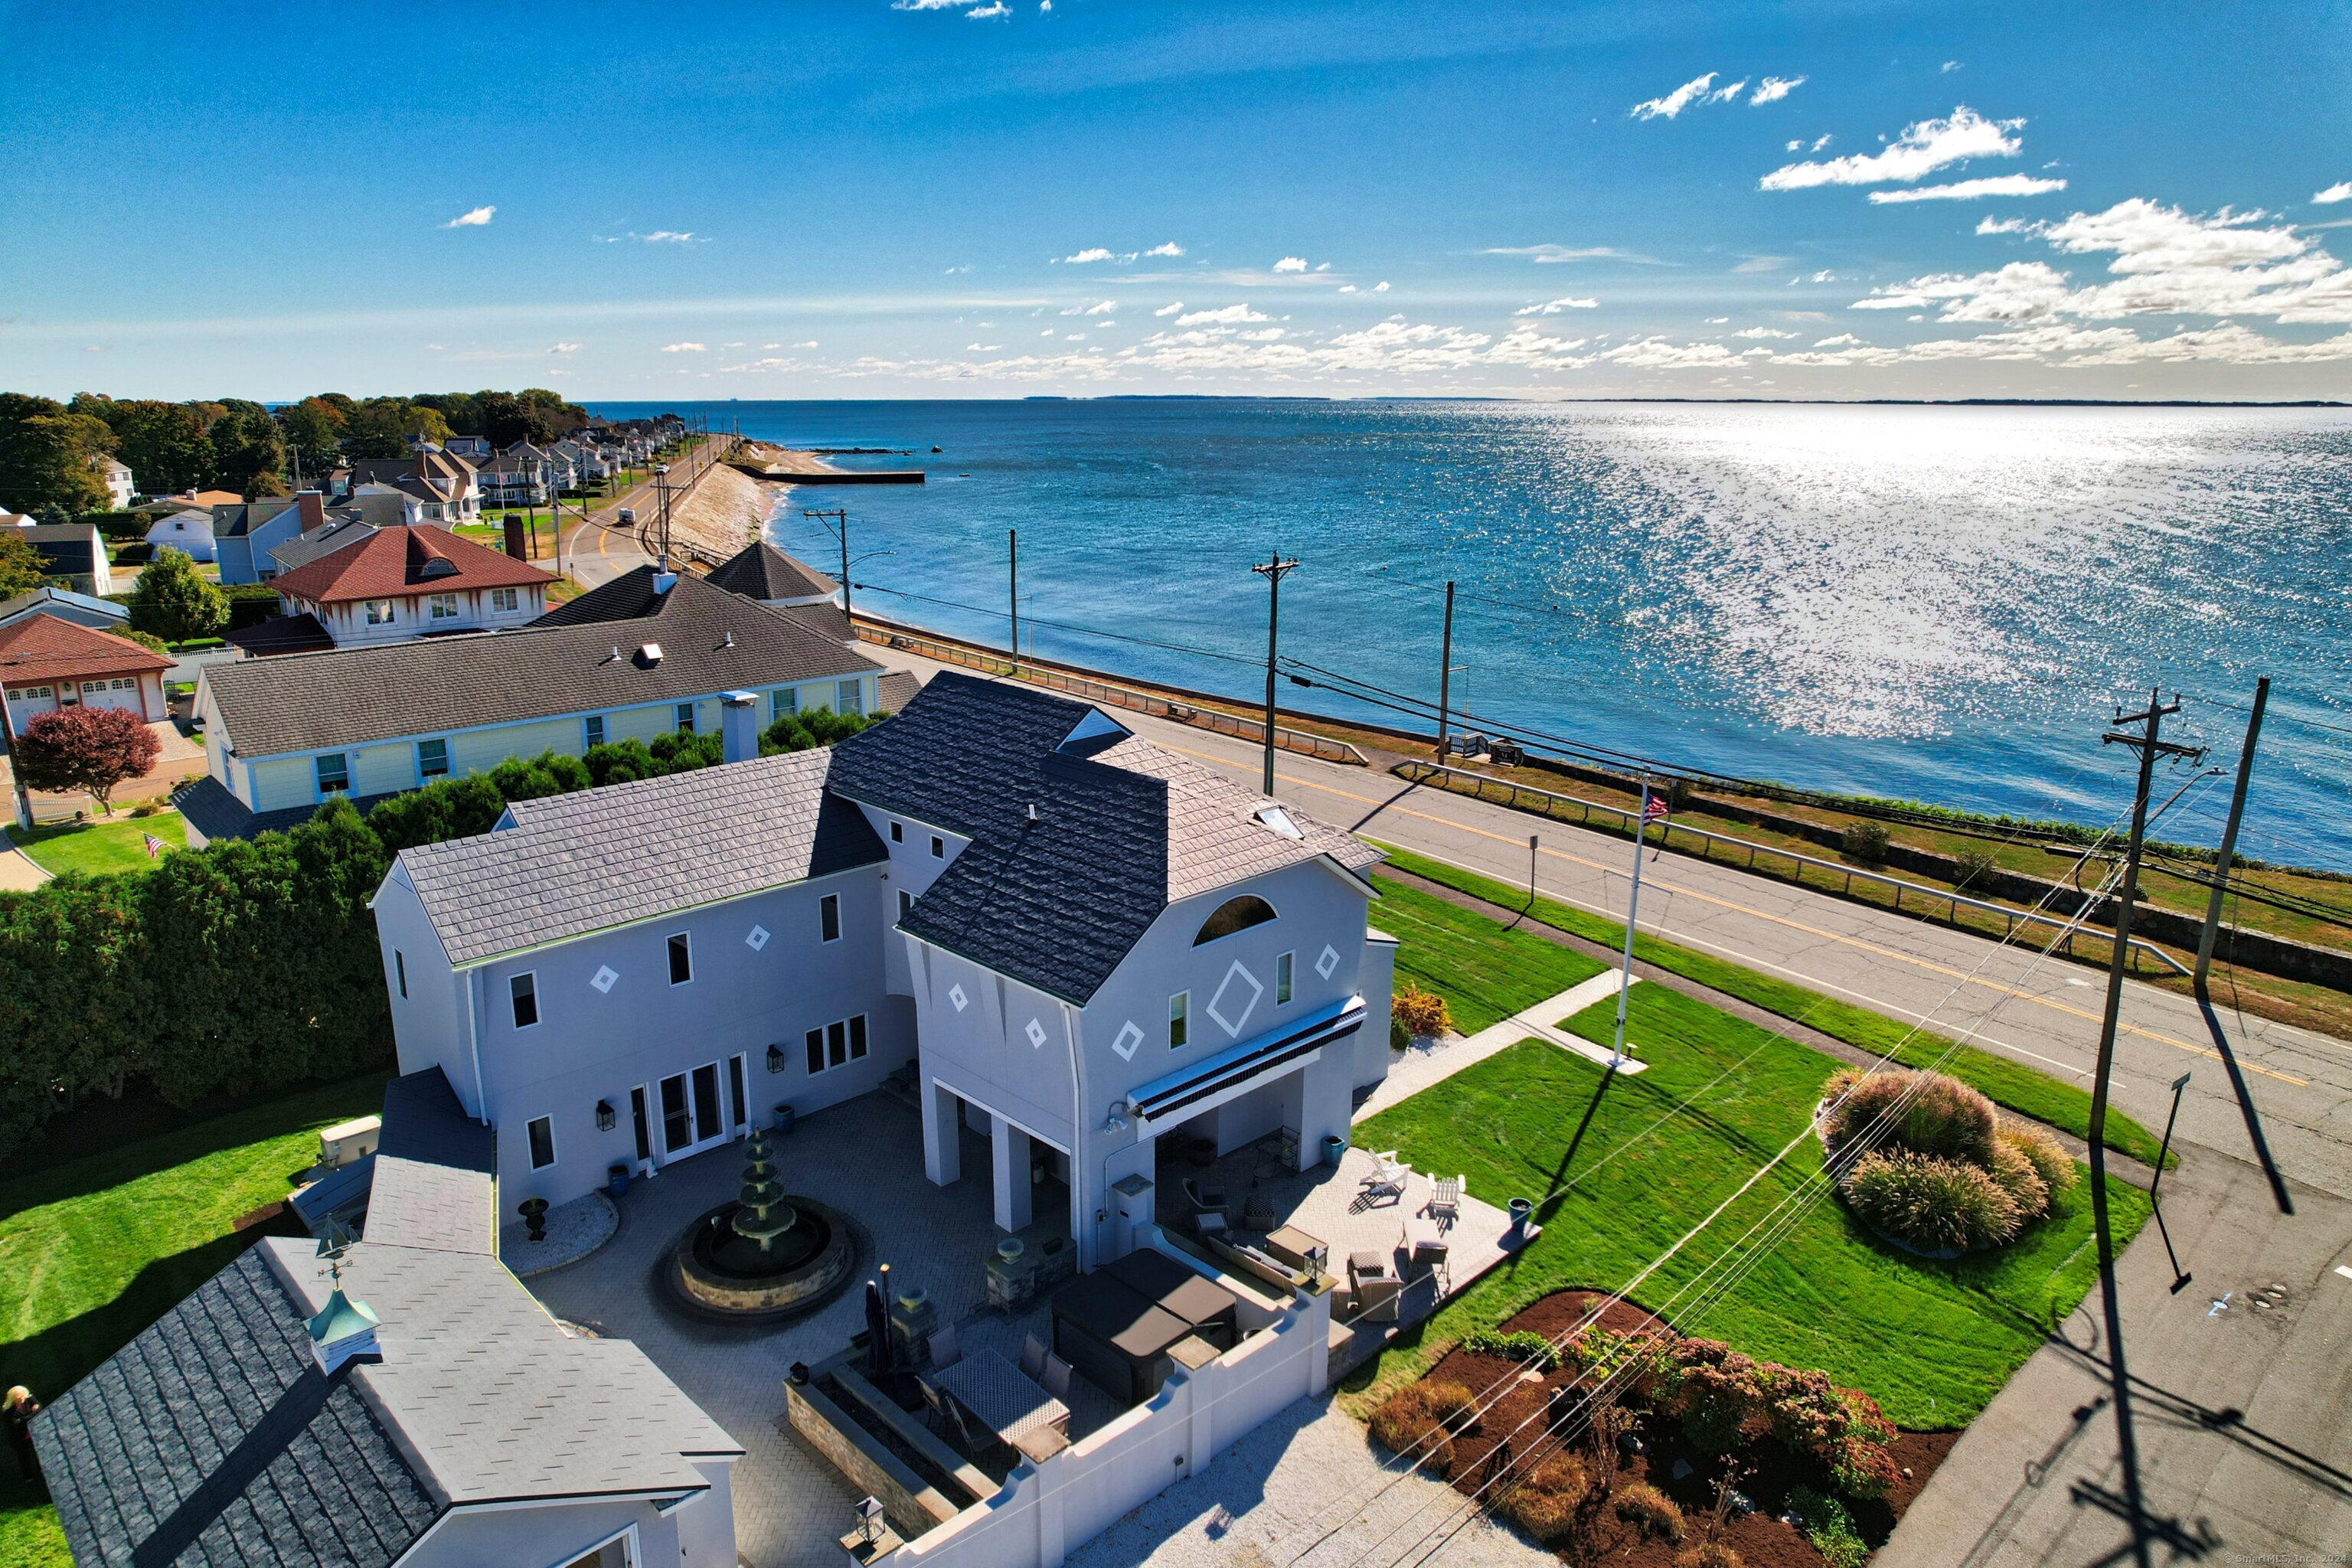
1308, 1254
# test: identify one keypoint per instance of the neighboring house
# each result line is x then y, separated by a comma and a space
207, 500
508, 479
51, 663
647, 657
82, 609
408, 1401
279, 635
760, 571
340, 530
244, 533
436, 486
72, 551
120, 486
475, 450
189, 531
390, 584
1082, 943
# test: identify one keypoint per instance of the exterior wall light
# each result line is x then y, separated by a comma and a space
775, 1058
606, 1118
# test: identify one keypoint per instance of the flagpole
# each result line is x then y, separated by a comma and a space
1633, 912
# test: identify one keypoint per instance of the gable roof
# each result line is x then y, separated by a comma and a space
1124, 827
280, 635
234, 518
338, 532
604, 858
68, 547
51, 647
760, 571
50, 600
711, 640
392, 562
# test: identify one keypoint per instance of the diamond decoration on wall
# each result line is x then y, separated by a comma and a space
604, 979
1328, 961
1228, 998
1129, 1038
758, 939
956, 995
1037, 1033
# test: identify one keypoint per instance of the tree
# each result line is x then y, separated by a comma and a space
163, 444
91, 749
248, 456
313, 432
384, 427
173, 602
21, 567
46, 455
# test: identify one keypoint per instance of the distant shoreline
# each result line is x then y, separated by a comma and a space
591, 404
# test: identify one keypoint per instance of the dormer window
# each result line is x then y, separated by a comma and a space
1234, 915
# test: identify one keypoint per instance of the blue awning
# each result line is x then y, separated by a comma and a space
1180, 1092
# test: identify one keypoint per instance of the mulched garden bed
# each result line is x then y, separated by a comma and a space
1761, 1539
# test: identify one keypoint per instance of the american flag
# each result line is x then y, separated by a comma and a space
154, 845
1655, 810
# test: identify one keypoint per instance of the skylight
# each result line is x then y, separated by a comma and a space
1274, 817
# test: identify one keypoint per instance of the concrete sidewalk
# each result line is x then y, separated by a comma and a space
1423, 1065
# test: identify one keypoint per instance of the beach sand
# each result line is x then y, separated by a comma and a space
725, 512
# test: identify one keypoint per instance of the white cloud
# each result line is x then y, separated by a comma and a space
1794, 145
672, 236
1171, 248
1674, 103
1773, 89
983, 13
1726, 94
809, 344
2341, 191
1970, 189
1950, 67
682, 348
928, 5
1923, 148
1222, 316
2005, 225
1381, 286
1169, 309
2022, 290
1552, 254
1347, 288
1091, 253
1763, 263
477, 218
1844, 340
1823, 276
1554, 307
1100, 308
1716, 321
1291, 264
1820, 141
1762, 332
564, 349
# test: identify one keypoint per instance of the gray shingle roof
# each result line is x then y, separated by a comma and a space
212, 811
604, 858
436, 1183
760, 571
1124, 829
213, 1440
356, 696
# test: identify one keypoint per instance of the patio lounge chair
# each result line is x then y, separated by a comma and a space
1446, 1199
1430, 1257
1388, 1179
945, 1352
1376, 1291
1204, 1200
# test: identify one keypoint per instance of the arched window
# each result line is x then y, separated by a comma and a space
1233, 915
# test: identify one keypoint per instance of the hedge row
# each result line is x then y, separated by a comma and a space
253, 963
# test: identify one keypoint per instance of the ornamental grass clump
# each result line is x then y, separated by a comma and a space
1707, 1554
1547, 1502
1418, 1422
1650, 1512
1927, 1161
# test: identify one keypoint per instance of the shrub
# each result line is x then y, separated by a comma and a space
1930, 1204
1840, 1431
1923, 1113
92, 749
2015, 1175
147, 641
2044, 1153
1546, 1501
1717, 1391
1417, 1422
146, 808
1649, 1510
1400, 1038
1973, 866
1520, 1345
1865, 841
1421, 1012
1830, 1528
1707, 1554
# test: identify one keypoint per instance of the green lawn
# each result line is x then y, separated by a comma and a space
1932, 1340
2006, 1083
93, 1251
107, 844
1486, 974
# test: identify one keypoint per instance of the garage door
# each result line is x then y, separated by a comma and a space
26, 703
123, 693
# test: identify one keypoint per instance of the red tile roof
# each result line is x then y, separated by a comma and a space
48, 649
398, 561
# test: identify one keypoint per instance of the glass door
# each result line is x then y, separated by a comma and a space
677, 1121
708, 1121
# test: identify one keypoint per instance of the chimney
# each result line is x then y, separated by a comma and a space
313, 508
739, 727
665, 579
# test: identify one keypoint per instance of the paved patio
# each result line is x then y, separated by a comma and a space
863, 1158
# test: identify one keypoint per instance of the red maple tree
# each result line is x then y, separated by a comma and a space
91, 749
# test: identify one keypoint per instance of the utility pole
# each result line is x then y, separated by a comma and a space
1633, 913
2212, 928
1013, 602
837, 521
2145, 742
1273, 570
1444, 670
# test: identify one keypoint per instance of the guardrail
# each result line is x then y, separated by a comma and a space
1516, 795
1078, 683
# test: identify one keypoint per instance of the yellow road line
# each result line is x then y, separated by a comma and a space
1870, 947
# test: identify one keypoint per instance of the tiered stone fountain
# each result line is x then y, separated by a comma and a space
766, 1254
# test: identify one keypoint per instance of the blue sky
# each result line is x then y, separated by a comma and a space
976, 199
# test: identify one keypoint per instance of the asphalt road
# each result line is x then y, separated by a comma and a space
599, 548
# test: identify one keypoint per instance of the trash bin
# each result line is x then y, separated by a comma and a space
784, 1119
1334, 1146
616, 1180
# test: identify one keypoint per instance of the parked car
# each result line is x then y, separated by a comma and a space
661, 467
628, 516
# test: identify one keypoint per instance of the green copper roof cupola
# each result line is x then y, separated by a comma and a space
344, 1329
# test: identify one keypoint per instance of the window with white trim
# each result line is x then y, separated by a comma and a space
592, 731
1179, 1020
1283, 964
685, 718
837, 1043
849, 697
444, 607
939, 848
379, 612
828, 917
681, 959
906, 906
505, 598
523, 992
399, 969
782, 703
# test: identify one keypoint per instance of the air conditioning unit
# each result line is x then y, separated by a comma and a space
347, 1143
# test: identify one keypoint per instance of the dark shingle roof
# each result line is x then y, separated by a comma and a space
213, 1440
356, 696
1125, 829
605, 857
760, 571
282, 634
212, 811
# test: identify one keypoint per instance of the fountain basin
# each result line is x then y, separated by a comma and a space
716, 1268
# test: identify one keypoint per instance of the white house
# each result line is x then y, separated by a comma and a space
121, 487
245, 533
439, 486
393, 583
189, 531
1082, 943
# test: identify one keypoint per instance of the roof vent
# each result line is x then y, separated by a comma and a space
649, 654
616, 653
1033, 812
665, 581
728, 641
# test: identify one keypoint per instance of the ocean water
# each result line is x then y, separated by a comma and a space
1933, 603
